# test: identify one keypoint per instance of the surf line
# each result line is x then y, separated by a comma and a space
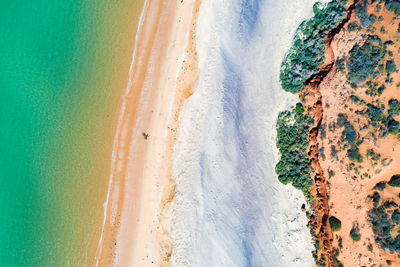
117, 134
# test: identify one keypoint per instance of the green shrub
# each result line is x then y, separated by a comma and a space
384, 219
372, 155
340, 64
361, 12
308, 50
393, 6
299, 108
357, 100
373, 89
349, 134
335, 224
396, 217
376, 198
334, 152
395, 181
321, 152
354, 154
393, 126
353, 26
364, 59
355, 233
376, 113
336, 261
294, 165
398, 31
381, 120
322, 131
394, 107
380, 186
390, 67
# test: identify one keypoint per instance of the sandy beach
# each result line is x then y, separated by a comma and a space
160, 78
190, 182
229, 208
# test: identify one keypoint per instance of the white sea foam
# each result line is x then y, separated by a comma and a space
229, 208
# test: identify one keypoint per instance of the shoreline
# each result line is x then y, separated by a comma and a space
139, 188
115, 144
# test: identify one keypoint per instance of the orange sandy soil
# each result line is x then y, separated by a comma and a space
135, 230
351, 183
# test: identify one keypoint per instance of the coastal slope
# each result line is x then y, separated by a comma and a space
343, 65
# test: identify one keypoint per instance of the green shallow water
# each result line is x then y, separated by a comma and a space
63, 66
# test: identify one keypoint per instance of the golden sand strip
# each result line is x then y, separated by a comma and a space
162, 76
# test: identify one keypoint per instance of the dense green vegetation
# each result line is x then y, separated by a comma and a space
340, 64
394, 107
376, 199
382, 119
373, 89
353, 153
308, 49
373, 156
363, 60
350, 139
380, 186
357, 100
361, 12
336, 262
355, 233
390, 67
385, 220
334, 152
349, 134
335, 224
364, 66
393, 6
353, 26
294, 166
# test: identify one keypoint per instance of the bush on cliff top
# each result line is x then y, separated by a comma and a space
355, 233
394, 107
364, 59
294, 165
382, 120
335, 224
395, 181
366, 19
390, 67
308, 49
393, 6
385, 220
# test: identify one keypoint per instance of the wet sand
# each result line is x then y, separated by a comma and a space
162, 73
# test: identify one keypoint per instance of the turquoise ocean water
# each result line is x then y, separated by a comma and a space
63, 66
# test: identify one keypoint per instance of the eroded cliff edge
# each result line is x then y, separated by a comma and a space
339, 144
